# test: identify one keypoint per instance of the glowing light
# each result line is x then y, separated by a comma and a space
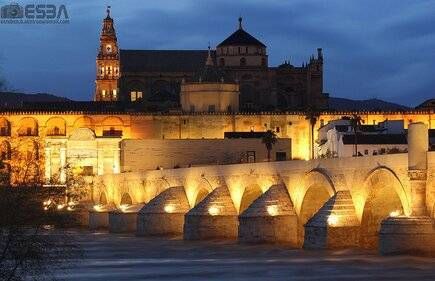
71, 203
332, 220
69, 208
124, 207
45, 208
395, 213
60, 206
47, 202
169, 208
272, 210
213, 210
98, 208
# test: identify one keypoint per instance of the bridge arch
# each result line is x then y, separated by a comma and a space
126, 199
197, 190
103, 199
385, 195
317, 188
250, 193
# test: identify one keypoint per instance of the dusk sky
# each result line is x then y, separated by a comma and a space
372, 49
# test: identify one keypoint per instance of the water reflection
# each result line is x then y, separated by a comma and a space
108, 257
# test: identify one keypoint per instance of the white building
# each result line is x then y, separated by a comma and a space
337, 139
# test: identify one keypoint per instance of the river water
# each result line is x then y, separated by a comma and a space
126, 257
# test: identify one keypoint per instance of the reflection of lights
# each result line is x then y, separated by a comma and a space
395, 213
213, 210
60, 206
272, 210
45, 208
98, 208
71, 203
169, 208
332, 220
69, 208
124, 207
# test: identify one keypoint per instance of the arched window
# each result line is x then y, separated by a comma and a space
222, 62
242, 62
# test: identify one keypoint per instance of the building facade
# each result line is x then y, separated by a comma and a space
90, 139
154, 77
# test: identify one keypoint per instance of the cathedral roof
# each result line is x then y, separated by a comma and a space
241, 38
211, 73
163, 60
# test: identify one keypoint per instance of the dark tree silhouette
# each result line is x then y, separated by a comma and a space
355, 123
34, 240
269, 139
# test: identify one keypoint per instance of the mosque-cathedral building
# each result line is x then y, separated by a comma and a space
175, 95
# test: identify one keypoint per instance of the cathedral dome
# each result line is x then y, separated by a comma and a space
241, 38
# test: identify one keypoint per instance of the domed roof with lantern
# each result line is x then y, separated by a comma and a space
241, 38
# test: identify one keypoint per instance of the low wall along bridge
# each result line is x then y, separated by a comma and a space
385, 201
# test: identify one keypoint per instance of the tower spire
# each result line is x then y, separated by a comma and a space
108, 12
209, 61
240, 22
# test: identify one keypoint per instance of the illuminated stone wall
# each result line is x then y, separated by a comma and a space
43, 127
142, 155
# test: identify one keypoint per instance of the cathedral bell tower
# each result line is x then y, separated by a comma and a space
106, 84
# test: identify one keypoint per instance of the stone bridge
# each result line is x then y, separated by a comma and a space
323, 203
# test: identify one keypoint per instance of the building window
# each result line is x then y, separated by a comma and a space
109, 70
277, 129
240, 51
263, 62
281, 156
28, 131
243, 62
135, 96
246, 50
4, 131
103, 93
56, 131
366, 152
114, 93
322, 122
229, 108
222, 62
250, 156
211, 108
382, 151
87, 171
112, 132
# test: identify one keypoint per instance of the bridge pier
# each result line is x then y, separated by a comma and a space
164, 215
414, 234
99, 216
215, 217
271, 218
334, 226
124, 220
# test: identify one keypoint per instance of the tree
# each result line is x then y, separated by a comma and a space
312, 114
269, 139
34, 241
355, 123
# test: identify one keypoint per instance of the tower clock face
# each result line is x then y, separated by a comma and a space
109, 48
